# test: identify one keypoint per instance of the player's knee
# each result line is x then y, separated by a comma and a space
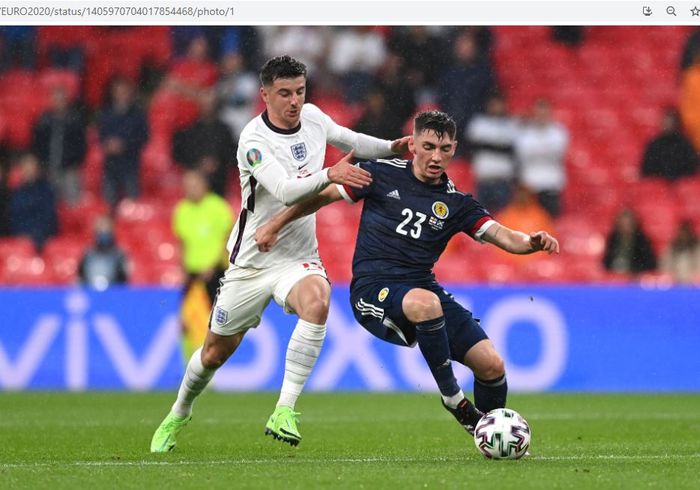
492, 368
420, 305
315, 309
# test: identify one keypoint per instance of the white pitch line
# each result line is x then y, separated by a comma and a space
534, 416
598, 457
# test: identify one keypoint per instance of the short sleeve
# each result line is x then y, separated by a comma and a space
476, 219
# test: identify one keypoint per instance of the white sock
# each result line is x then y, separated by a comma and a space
453, 401
196, 378
302, 351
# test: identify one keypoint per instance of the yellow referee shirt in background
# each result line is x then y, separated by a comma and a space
203, 228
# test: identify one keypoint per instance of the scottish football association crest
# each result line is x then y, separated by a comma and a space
299, 151
440, 209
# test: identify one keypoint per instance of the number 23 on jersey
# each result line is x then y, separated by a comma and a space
413, 222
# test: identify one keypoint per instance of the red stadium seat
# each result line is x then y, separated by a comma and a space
26, 271
649, 189
18, 245
62, 255
79, 220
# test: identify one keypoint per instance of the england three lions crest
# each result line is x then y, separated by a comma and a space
299, 151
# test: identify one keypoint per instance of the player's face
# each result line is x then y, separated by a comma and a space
284, 100
431, 155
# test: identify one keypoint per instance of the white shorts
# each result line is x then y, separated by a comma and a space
245, 293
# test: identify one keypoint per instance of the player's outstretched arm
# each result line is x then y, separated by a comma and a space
266, 235
517, 242
345, 173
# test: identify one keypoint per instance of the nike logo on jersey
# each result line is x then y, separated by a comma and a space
394, 194
302, 166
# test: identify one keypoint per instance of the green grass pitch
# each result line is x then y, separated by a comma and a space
101, 440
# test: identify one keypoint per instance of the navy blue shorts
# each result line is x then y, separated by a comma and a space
378, 308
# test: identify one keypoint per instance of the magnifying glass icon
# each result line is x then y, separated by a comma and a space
671, 11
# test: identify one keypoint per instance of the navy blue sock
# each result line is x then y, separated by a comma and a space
435, 347
491, 394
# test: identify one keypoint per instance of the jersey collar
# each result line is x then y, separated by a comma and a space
268, 123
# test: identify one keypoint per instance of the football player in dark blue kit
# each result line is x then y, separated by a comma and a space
411, 210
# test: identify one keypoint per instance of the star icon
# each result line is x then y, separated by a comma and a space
695, 11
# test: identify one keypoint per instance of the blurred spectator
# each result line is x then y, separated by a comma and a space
628, 249
60, 143
490, 137
689, 105
691, 49
399, 95
483, 35
17, 47
69, 44
540, 147
104, 264
202, 222
195, 71
183, 36
354, 55
237, 90
4, 152
428, 55
123, 134
307, 44
245, 41
466, 83
241, 40
570, 35
669, 154
32, 209
207, 145
682, 258
377, 119
4, 203
525, 213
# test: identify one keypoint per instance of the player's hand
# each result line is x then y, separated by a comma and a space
400, 146
543, 241
344, 172
266, 237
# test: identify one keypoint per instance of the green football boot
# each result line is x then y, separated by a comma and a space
282, 425
164, 438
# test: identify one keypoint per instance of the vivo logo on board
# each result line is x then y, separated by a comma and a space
82, 346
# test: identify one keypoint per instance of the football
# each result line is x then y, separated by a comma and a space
502, 434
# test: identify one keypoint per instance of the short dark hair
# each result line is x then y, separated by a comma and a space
281, 67
436, 121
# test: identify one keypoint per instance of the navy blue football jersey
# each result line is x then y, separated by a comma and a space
406, 223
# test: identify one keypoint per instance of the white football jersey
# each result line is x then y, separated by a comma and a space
280, 167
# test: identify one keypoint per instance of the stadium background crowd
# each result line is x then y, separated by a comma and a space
589, 133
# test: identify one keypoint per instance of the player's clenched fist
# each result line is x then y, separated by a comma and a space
544, 241
265, 237
344, 172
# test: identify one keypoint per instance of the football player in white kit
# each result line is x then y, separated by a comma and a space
280, 158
